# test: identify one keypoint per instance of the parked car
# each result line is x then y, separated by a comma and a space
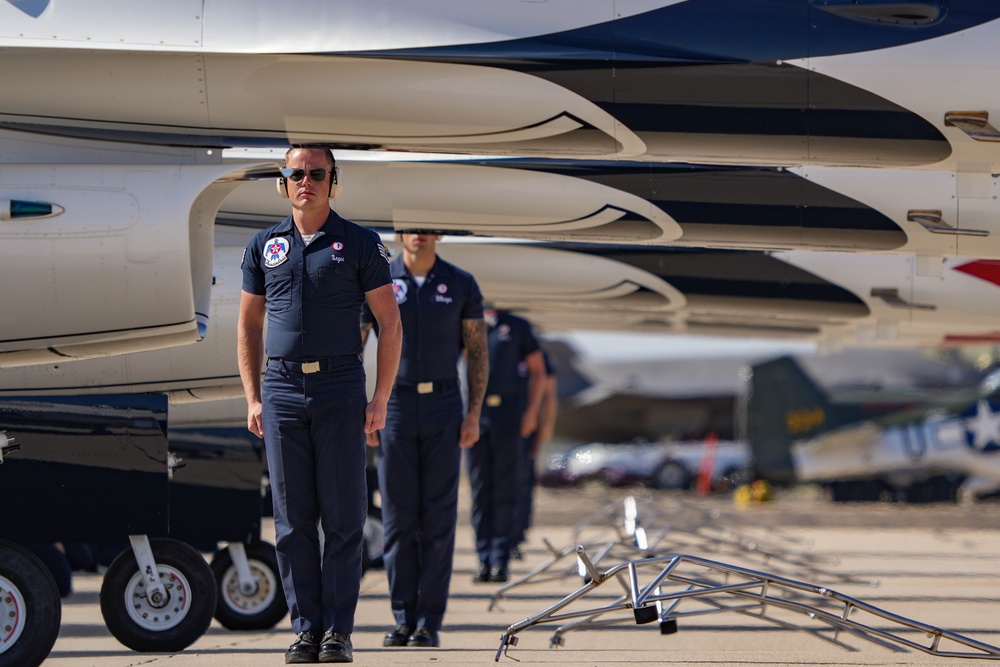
675, 465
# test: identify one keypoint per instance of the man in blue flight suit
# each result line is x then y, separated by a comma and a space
530, 447
420, 450
507, 418
311, 274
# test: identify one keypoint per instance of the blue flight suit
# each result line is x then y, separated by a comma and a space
493, 461
419, 456
527, 469
314, 400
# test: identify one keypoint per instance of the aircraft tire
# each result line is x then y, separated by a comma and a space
30, 607
141, 626
671, 475
259, 610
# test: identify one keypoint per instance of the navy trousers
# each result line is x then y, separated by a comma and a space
419, 465
493, 474
526, 491
315, 444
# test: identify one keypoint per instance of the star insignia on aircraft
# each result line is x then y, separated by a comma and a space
982, 429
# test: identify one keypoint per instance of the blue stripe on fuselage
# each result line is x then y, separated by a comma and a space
719, 31
727, 195
715, 67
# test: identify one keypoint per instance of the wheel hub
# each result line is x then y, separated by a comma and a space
12, 614
158, 613
259, 596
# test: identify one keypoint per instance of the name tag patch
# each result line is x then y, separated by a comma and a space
440, 297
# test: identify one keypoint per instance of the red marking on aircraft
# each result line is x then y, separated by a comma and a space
972, 339
984, 269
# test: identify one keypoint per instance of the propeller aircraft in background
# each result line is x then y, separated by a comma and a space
874, 446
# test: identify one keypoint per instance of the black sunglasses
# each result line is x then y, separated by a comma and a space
318, 174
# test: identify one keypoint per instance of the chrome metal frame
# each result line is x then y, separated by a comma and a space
632, 534
677, 579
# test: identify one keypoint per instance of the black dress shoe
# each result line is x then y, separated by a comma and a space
398, 636
304, 650
498, 574
336, 647
424, 637
483, 575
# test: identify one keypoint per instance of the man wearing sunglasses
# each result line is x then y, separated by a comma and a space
309, 276
419, 459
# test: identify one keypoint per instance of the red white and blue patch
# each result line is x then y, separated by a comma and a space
399, 288
442, 288
338, 246
275, 252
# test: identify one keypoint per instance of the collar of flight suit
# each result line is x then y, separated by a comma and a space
397, 269
334, 226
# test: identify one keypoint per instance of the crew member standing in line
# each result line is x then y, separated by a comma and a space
441, 308
530, 447
310, 274
507, 418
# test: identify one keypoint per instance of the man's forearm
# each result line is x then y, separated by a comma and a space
250, 353
536, 381
390, 345
477, 362
548, 410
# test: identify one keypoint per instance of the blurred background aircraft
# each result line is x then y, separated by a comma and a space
914, 444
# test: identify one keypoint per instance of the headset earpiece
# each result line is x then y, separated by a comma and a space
336, 186
282, 188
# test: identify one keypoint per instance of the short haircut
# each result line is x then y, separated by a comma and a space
329, 153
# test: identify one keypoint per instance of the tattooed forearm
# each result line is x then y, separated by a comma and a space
477, 362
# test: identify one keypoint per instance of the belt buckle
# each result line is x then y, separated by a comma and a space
493, 400
310, 367
425, 387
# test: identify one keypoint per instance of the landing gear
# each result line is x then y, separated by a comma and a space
163, 612
250, 592
30, 610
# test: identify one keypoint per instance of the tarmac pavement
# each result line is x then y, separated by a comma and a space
939, 565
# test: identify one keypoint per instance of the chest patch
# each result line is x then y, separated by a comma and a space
399, 288
275, 252
337, 247
440, 297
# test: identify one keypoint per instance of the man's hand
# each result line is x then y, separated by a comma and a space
469, 434
375, 415
373, 439
254, 422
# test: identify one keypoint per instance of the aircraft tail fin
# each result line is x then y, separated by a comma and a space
782, 404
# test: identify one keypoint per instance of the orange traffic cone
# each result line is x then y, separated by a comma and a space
704, 485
